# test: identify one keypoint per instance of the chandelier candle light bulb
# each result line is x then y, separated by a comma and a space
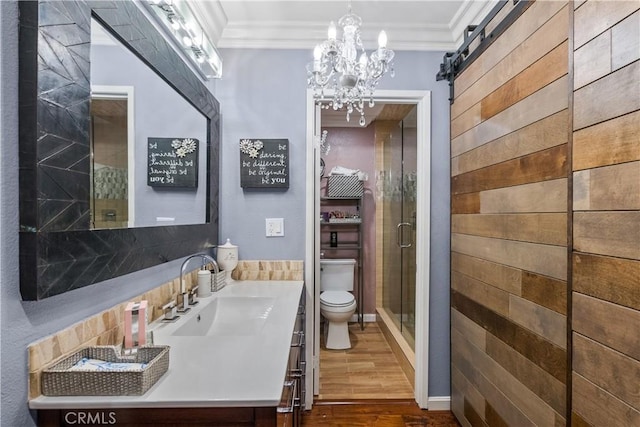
332, 31
317, 56
382, 40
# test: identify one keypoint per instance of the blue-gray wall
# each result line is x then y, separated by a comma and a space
262, 95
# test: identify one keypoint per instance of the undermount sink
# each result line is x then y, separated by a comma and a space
228, 316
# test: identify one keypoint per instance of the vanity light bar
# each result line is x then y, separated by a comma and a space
179, 21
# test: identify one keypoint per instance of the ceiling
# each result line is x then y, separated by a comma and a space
301, 24
419, 25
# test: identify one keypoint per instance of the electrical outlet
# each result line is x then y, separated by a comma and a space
274, 227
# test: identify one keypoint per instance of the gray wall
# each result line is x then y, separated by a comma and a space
263, 95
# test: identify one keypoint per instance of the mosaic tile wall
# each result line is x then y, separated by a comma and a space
269, 270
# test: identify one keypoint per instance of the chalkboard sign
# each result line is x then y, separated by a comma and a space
172, 162
264, 163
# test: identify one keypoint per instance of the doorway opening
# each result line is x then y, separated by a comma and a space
402, 115
112, 157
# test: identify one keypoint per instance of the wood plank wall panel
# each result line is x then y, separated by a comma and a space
609, 97
510, 174
596, 17
606, 214
616, 186
608, 143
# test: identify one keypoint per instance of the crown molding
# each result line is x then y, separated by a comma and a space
472, 12
212, 17
305, 35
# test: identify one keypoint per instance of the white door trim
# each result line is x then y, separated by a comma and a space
423, 101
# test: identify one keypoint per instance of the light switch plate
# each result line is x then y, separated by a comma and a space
274, 227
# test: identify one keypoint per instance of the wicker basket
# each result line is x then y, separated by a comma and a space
344, 186
59, 380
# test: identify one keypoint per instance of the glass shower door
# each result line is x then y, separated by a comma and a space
399, 222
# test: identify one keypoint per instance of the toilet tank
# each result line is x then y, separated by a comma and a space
336, 274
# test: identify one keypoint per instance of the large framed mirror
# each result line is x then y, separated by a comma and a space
61, 248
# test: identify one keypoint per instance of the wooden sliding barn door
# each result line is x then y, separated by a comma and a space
509, 241
545, 306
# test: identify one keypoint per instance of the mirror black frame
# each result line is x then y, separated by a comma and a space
58, 251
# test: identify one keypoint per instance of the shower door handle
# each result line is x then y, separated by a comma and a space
399, 235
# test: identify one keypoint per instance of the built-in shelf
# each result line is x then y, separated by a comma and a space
348, 222
353, 199
341, 222
342, 247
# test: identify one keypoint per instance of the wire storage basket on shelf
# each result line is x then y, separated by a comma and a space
344, 186
60, 380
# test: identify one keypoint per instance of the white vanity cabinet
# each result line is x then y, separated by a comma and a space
257, 379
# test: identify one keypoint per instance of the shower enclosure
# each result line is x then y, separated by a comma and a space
397, 192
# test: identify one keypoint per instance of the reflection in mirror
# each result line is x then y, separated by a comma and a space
110, 170
157, 111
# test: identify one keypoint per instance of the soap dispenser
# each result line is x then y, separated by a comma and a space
204, 282
227, 259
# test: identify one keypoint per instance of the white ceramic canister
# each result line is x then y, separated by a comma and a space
227, 259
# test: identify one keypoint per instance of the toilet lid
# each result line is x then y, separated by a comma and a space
337, 298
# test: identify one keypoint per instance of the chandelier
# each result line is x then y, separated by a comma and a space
336, 67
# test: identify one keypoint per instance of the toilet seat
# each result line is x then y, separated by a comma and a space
337, 299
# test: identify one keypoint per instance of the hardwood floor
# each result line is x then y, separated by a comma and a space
368, 370
385, 413
365, 386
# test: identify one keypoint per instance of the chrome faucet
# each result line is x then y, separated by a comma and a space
184, 307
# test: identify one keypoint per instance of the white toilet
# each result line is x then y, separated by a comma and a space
337, 303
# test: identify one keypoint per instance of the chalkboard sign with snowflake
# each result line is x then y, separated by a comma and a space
264, 163
172, 162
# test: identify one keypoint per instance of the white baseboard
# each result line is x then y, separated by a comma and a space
367, 318
439, 403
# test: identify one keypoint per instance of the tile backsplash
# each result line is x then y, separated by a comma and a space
107, 327
269, 270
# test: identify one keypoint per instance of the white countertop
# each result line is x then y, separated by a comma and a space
214, 371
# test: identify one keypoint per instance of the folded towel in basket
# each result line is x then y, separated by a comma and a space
86, 364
